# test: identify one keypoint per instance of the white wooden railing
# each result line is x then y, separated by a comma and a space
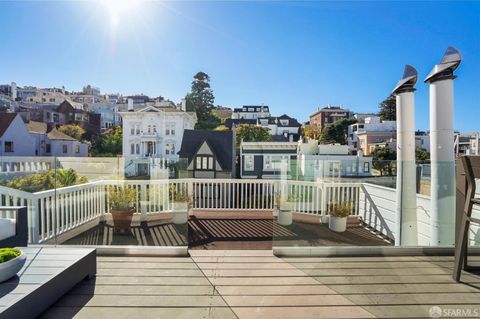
15, 164
57, 211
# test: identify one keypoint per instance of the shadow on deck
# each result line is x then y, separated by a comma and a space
231, 231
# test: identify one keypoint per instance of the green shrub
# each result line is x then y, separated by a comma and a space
46, 180
7, 254
122, 198
340, 210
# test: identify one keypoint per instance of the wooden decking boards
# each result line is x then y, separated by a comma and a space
256, 284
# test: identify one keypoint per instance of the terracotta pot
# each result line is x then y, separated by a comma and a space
122, 219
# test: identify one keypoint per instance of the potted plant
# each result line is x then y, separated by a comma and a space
11, 261
180, 201
338, 216
121, 202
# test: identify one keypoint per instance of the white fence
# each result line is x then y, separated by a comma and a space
57, 211
378, 209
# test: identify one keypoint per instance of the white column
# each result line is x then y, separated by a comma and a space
406, 171
442, 148
442, 213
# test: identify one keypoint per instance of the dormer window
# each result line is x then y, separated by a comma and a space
284, 122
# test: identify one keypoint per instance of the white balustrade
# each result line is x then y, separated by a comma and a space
56, 211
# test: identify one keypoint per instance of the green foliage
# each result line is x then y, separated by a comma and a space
311, 131
200, 100
340, 209
110, 144
388, 109
384, 160
252, 133
336, 132
178, 195
46, 180
421, 155
7, 254
121, 198
72, 130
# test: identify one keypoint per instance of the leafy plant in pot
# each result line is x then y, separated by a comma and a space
121, 201
339, 213
11, 261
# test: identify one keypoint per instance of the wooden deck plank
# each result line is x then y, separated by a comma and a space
287, 301
274, 290
420, 311
145, 280
245, 266
139, 272
139, 290
403, 288
138, 313
146, 265
415, 299
140, 301
346, 312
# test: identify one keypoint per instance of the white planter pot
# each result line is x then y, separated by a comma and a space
287, 206
285, 217
337, 224
12, 267
180, 213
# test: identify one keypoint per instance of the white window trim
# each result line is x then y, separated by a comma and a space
282, 158
245, 168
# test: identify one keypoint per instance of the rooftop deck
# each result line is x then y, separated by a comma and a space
255, 284
232, 230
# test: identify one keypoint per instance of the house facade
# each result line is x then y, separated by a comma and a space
207, 154
371, 131
155, 132
318, 161
284, 125
267, 160
251, 112
15, 140
327, 115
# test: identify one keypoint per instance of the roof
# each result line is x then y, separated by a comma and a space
36, 127
5, 120
275, 120
57, 135
221, 144
235, 122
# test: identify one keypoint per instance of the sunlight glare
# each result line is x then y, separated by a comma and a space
119, 10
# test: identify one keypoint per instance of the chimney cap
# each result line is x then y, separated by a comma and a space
407, 83
444, 70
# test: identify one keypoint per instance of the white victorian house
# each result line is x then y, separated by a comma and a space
153, 133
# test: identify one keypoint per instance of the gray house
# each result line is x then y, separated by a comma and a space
268, 159
15, 140
207, 154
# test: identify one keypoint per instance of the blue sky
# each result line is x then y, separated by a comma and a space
293, 56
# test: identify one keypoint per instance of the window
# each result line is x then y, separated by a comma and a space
138, 148
149, 129
170, 149
132, 149
248, 162
170, 129
154, 128
65, 148
366, 167
48, 148
8, 147
274, 162
204, 163
77, 149
284, 122
132, 131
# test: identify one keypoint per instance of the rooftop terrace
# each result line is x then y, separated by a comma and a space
255, 284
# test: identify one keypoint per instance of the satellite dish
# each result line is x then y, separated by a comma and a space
408, 80
444, 70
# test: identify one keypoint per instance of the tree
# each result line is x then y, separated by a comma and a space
388, 109
110, 143
421, 155
252, 133
384, 159
311, 131
200, 100
336, 132
72, 130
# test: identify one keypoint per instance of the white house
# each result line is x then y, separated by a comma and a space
51, 142
251, 112
317, 161
280, 125
153, 132
15, 140
370, 124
